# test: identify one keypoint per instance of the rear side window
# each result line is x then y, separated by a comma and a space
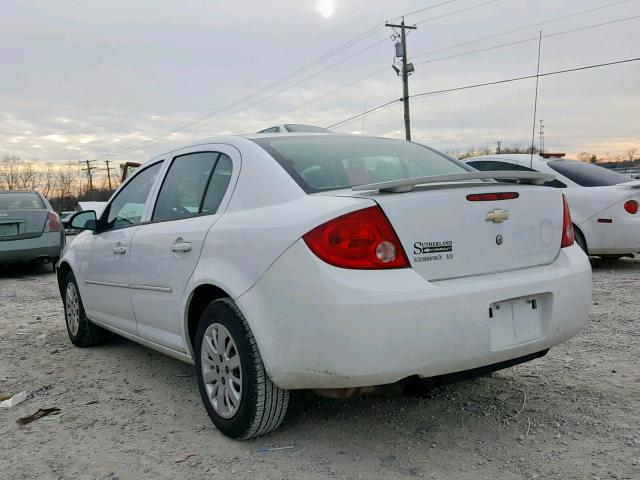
331, 162
217, 185
587, 175
195, 184
20, 201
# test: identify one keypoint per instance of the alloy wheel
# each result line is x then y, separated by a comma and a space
221, 370
72, 307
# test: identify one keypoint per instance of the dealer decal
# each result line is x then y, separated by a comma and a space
432, 251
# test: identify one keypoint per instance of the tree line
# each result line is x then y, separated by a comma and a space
630, 158
64, 185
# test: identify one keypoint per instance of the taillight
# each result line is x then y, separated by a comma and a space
631, 206
363, 239
567, 226
53, 223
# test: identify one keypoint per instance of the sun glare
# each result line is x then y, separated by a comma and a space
326, 8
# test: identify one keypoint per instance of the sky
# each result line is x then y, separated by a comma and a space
111, 80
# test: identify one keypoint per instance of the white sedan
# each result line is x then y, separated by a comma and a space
319, 261
604, 203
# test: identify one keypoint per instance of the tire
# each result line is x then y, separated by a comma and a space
579, 237
249, 404
82, 332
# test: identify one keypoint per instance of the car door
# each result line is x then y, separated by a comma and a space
106, 295
166, 249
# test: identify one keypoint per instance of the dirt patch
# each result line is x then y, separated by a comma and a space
128, 412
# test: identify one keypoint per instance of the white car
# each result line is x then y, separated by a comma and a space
301, 261
603, 203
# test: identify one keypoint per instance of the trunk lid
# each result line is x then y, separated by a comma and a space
447, 236
16, 224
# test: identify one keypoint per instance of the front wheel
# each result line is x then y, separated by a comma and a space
238, 395
82, 332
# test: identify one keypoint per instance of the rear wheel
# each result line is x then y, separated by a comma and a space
82, 332
238, 395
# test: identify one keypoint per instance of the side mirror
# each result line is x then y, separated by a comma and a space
86, 220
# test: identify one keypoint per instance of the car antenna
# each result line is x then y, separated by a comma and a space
535, 103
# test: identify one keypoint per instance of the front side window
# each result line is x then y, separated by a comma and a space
127, 208
194, 185
587, 175
331, 162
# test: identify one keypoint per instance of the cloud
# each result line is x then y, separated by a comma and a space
86, 81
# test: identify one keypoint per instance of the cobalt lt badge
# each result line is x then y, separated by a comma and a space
499, 239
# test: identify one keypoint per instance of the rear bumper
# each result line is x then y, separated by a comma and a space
319, 326
47, 245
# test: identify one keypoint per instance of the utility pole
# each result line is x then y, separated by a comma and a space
407, 68
89, 168
498, 145
541, 136
108, 169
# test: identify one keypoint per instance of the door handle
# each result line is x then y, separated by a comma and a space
119, 250
181, 247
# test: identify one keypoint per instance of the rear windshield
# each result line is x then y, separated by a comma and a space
586, 174
20, 201
322, 163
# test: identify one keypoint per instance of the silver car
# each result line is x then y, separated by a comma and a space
29, 229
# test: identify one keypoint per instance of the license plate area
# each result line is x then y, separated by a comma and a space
518, 320
8, 229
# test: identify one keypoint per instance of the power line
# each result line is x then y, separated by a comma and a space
485, 84
380, 70
513, 30
515, 79
430, 7
304, 80
439, 59
367, 112
290, 75
454, 12
527, 40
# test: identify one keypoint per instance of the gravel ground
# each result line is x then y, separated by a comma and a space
128, 412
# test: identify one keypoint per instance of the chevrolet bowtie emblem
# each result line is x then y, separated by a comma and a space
497, 215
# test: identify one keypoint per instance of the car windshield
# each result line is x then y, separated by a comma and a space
20, 201
321, 163
587, 175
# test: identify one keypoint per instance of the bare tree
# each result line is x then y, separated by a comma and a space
587, 157
631, 154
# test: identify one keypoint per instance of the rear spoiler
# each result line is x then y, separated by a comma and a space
407, 184
631, 184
